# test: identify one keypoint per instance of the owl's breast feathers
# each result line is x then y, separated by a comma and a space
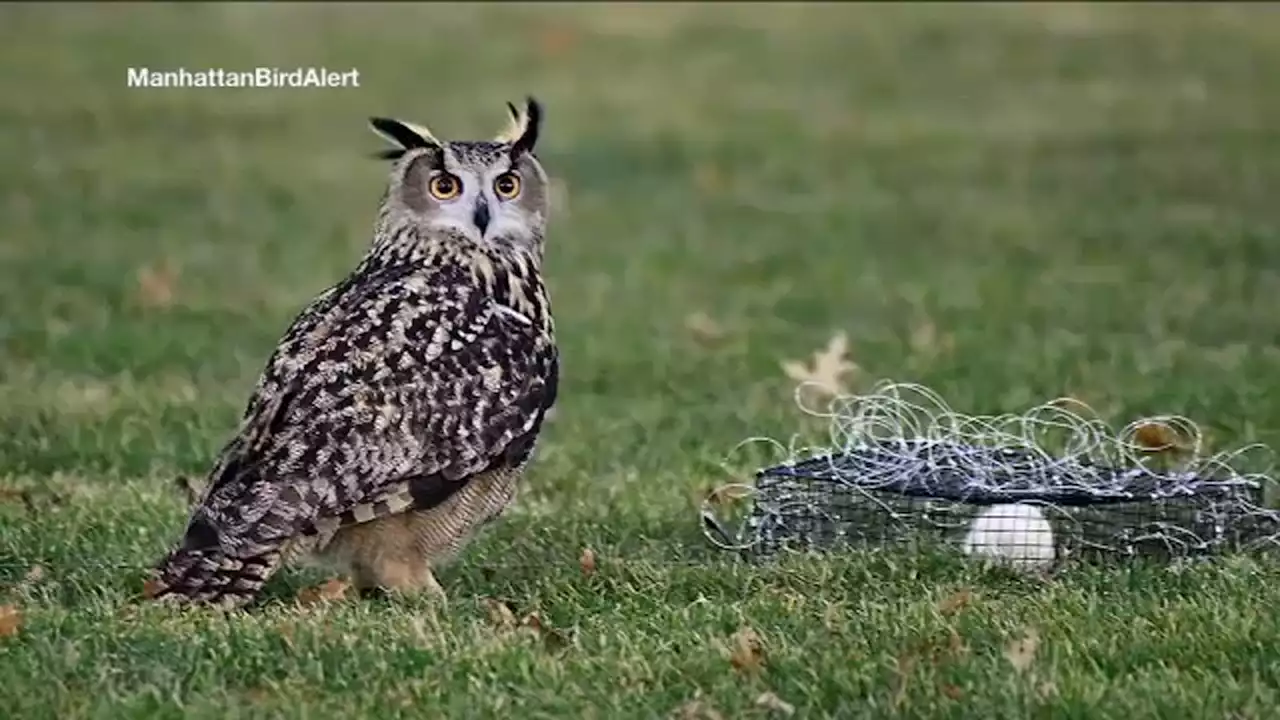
403, 381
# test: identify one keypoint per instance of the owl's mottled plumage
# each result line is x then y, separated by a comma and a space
398, 411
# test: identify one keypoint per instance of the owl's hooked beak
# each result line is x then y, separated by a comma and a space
480, 216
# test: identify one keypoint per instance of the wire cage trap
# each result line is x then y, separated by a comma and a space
1031, 490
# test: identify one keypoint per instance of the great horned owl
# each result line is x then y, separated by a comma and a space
398, 411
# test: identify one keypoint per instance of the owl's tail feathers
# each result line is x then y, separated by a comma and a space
210, 576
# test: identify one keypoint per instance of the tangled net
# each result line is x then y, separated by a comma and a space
1033, 489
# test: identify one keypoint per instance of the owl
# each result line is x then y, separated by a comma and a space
399, 410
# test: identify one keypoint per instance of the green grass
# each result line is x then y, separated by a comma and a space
1079, 199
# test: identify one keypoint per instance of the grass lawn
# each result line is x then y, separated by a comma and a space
1006, 203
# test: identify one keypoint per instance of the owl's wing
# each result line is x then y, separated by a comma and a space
405, 393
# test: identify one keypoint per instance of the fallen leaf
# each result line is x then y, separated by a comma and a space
703, 328
724, 494
499, 612
150, 587
1156, 437
955, 602
1021, 653
551, 637
953, 692
829, 366
156, 285
10, 620
331, 589
12, 495
747, 651
769, 701
587, 561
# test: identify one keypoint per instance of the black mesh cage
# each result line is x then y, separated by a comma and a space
971, 484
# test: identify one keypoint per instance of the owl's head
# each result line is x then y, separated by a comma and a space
491, 192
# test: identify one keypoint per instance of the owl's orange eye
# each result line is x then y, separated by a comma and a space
507, 185
444, 186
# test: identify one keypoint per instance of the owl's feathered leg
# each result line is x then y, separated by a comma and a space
389, 578
211, 576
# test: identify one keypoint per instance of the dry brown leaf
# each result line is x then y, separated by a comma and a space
10, 620
952, 692
1021, 653
1155, 437
746, 652
150, 587
725, 494
12, 495
551, 637
500, 613
331, 589
956, 602
587, 561
769, 701
156, 285
829, 366
703, 328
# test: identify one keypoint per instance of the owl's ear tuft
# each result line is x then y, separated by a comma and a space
514, 128
522, 129
407, 135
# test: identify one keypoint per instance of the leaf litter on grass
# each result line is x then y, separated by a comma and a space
770, 701
1021, 652
746, 651
587, 561
825, 375
10, 620
327, 591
